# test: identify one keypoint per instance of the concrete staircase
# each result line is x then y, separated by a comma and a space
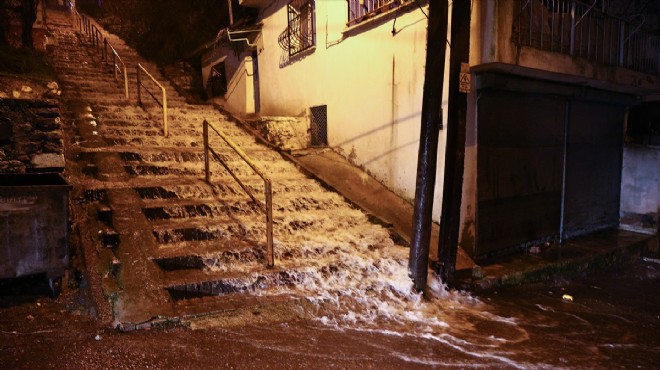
163, 243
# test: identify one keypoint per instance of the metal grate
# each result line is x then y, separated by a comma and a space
300, 33
319, 125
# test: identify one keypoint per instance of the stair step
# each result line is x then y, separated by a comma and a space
186, 284
286, 225
209, 254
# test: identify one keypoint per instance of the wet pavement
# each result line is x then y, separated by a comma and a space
354, 309
612, 322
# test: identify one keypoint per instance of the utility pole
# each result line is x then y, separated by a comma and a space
436, 41
459, 87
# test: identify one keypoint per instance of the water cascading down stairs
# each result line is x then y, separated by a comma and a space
163, 243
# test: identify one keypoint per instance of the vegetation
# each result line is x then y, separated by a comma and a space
26, 10
24, 61
166, 31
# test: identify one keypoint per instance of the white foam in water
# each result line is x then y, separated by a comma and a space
358, 279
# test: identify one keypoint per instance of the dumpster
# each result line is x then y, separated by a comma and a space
34, 226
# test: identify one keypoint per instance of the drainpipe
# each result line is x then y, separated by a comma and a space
231, 13
428, 142
459, 87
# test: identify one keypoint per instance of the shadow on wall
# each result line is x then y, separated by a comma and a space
377, 129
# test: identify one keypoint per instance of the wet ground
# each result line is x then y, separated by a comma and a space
612, 322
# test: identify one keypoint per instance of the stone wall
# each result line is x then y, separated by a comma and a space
30, 136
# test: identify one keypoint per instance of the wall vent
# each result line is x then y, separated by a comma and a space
319, 125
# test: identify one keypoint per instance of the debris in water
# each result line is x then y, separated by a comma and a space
567, 297
652, 260
26, 89
97, 337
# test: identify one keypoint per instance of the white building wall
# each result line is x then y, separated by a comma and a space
371, 82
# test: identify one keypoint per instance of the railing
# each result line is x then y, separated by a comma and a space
163, 104
266, 207
360, 10
116, 61
95, 37
578, 29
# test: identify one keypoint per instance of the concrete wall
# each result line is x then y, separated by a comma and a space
640, 187
370, 80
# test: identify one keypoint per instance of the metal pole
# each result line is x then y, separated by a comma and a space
231, 12
572, 40
459, 85
165, 128
139, 94
428, 142
269, 224
126, 81
205, 133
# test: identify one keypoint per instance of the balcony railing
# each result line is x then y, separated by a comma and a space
360, 10
577, 29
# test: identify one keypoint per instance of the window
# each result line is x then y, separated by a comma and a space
360, 10
300, 33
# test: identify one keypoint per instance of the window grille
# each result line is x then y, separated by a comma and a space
300, 33
360, 10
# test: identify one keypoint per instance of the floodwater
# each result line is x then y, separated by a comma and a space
612, 322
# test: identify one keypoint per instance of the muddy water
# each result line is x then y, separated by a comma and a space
363, 292
612, 322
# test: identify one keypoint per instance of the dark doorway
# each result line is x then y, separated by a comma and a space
217, 82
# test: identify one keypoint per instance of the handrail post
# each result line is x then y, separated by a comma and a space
139, 94
205, 133
165, 128
126, 82
270, 255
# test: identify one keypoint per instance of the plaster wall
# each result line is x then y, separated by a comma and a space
370, 80
240, 89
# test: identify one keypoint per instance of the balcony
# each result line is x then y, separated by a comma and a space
581, 30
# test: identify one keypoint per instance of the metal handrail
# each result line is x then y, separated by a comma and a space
95, 36
267, 208
163, 104
115, 67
